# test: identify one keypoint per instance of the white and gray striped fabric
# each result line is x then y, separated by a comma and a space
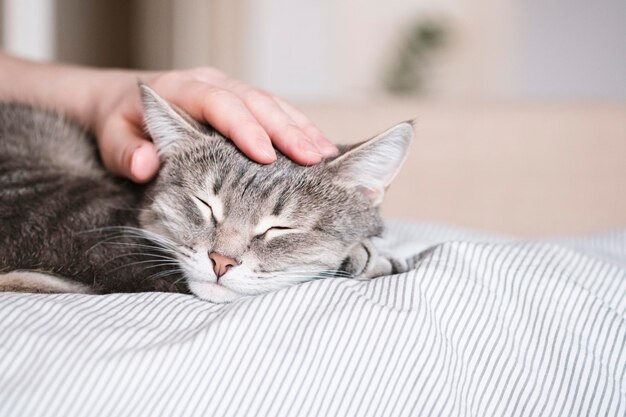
482, 326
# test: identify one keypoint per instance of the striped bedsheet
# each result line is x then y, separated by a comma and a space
482, 326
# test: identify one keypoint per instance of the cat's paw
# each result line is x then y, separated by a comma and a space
384, 265
366, 261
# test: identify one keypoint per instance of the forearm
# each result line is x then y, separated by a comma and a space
72, 90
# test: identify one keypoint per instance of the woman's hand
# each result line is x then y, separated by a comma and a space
253, 119
108, 102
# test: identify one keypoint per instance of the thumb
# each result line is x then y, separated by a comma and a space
125, 152
144, 163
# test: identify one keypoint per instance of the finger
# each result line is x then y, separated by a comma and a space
225, 112
284, 131
144, 163
326, 146
125, 152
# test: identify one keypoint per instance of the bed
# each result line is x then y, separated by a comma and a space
482, 325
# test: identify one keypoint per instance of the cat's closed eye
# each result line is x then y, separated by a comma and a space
275, 231
206, 209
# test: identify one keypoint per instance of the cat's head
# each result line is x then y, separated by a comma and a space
240, 228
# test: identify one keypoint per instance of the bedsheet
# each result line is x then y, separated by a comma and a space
483, 325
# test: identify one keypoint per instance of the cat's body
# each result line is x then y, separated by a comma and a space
213, 222
55, 198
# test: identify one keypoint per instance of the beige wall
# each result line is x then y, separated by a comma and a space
94, 32
168, 34
477, 64
1, 21
525, 169
325, 49
151, 41
338, 49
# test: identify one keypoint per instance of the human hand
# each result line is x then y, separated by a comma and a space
251, 118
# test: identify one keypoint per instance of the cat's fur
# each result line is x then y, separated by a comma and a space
66, 225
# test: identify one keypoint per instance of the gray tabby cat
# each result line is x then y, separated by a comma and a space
213, 222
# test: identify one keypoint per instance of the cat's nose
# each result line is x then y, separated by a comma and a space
221, 263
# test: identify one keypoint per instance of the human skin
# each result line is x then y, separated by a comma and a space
107, 102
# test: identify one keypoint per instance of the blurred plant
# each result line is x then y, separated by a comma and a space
409, 70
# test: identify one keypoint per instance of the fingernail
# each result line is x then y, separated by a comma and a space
136, 160
267, 150
143, 164
310, 148
328, 149
311, 153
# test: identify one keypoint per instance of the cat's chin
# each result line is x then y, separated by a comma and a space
212, 292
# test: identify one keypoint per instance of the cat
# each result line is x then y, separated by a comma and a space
213, 223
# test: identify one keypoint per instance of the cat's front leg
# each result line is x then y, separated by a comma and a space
366, 261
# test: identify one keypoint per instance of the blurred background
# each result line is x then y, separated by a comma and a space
520, 105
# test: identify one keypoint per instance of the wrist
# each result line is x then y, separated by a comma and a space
80, 93
62, 88
85, 88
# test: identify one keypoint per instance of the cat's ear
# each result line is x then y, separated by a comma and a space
168, 126
372, 165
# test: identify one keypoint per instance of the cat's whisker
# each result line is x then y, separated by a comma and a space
164, 274
144, 254
129, 231
183, 278
161, 264
138, 263
139, 245
161, 251
133, 230
313, 274
104, 241
303, 275
127, 208
167, 271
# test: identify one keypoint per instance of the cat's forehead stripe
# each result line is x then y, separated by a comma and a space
248, 184
217, 185
280, 204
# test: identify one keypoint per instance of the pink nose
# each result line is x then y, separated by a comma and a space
221, 263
